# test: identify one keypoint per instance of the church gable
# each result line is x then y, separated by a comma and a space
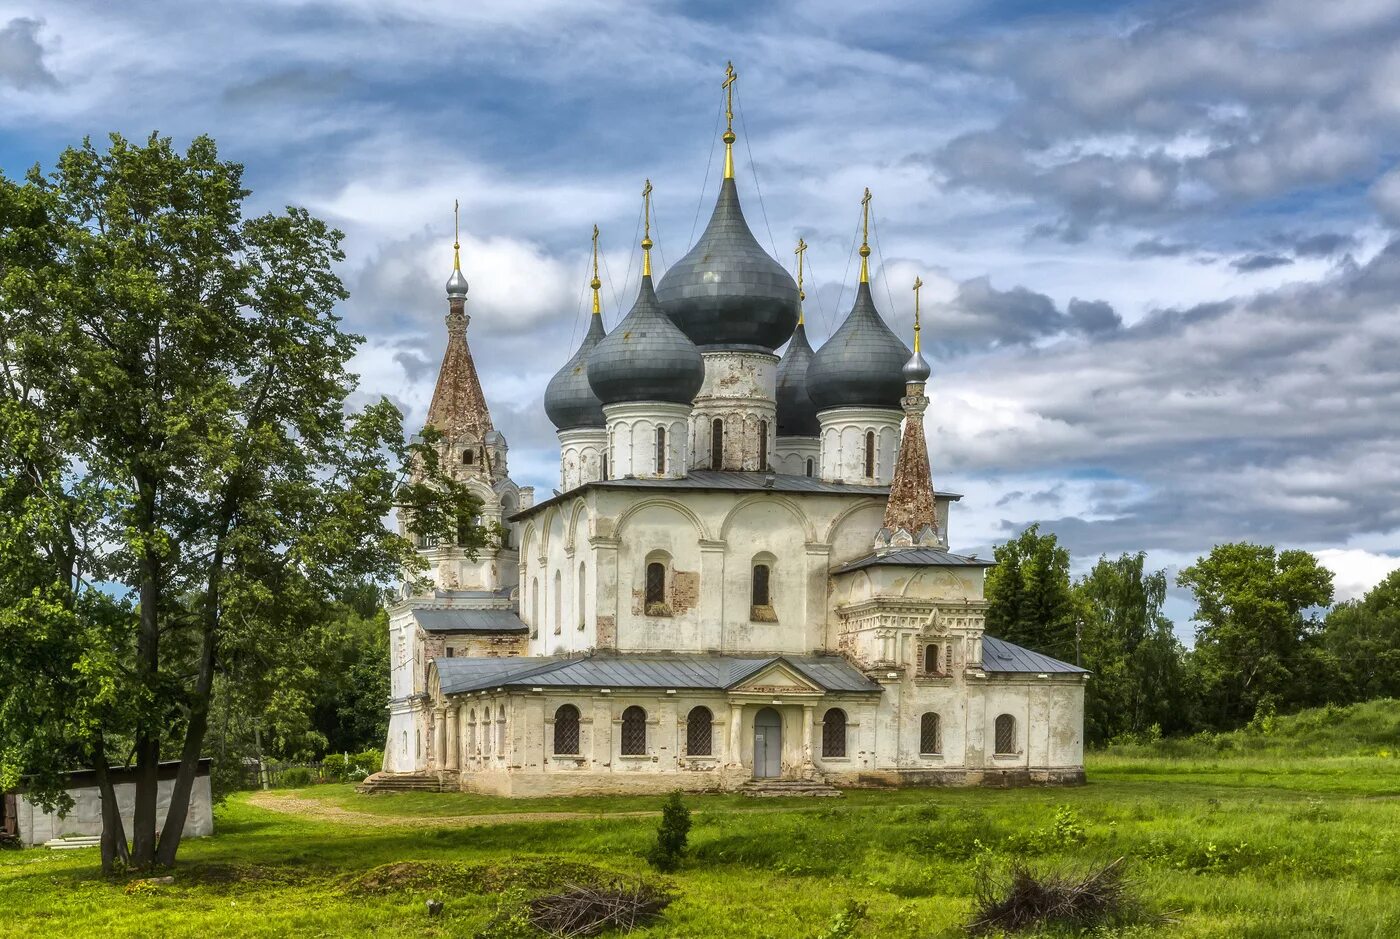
775, 678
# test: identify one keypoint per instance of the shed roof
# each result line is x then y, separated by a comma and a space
469, 621
914, 557
998, 655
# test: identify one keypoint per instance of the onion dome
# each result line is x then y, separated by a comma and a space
646, 357
797, 415
569, 400
727, 292
456, 284
862, 364
916, 370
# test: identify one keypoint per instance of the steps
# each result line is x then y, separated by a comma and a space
402, 782
772, 788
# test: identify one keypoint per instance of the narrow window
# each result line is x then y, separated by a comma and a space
762, 445
535, 602
471, 732
948, 658
501, 732
810, 467
656, 583
580, 599
605, 466
716, 444
834, 733
930, 737
566, 730
760, 585
870, 453
468, 457
634, 732
558, 603
660, 450
451, 652
699, 732
1006, 735
931, 660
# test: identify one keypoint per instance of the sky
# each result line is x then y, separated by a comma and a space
1159, 240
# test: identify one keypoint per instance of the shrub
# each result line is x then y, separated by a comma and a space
671, 835
1027, 901
295, 778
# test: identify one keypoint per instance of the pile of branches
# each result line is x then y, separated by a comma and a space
589, 911
1025, 901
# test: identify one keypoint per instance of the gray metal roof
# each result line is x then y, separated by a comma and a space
998, 655
727, 481
696, 671
645, 358
727, 292
914, 557
862, 364
569, 400
797, 415
469, 621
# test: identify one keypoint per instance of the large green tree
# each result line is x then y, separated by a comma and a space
1128, 644
179, 377
1257, 631
1363, 638
1028, 594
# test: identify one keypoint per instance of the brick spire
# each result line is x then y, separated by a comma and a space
911, 516
459, 407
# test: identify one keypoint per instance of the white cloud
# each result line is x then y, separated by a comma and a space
1355, 570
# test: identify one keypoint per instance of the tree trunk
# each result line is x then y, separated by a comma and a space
143, 820
114, 848
179, 809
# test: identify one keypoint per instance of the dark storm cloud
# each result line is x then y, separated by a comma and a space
22, 57
1159, 248
1259, 262
980, 315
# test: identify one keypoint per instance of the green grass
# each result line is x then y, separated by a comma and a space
1241, 842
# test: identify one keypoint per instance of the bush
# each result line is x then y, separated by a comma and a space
295, 778
354, 767
671, 835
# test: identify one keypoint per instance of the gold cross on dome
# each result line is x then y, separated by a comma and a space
917, 284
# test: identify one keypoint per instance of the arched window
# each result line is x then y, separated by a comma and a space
656, 584
834, 733
930, 734
605, 466
471, 731
535, 603
762, 445
699, 732
581, 598
469, 457
566, 730
1006, 735
634, 732
810, 466
760, 585
870, 453
660, 450
716, 444
558, 603
501, 731
931, 660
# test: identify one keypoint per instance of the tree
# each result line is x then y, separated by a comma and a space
181, 376
1128, 644
1256, 643
1028, 595
671, 835
1363, 638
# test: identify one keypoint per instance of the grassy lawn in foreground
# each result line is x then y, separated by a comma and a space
1241, 844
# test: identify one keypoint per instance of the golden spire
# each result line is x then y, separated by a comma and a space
917, 284
595, 283
801, 294
456, 238
865, 237
646, 236
729, 78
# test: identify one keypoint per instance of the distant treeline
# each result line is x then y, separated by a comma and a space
1268, 637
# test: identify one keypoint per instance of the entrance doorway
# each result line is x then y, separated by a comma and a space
767, 744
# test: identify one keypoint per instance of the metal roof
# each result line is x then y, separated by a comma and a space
998, 655
728, 481
914, 557
695, 671
469, 621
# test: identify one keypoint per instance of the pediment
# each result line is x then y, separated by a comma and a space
776, 678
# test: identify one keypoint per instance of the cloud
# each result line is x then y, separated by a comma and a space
1259, 262
1159, 248
1385, 196
22, 57
1355, 571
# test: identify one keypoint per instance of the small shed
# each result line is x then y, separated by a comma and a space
28, 822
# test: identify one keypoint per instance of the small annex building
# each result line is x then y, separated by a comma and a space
744, 575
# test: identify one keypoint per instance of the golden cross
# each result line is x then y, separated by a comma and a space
730, 76
456, 238
865, 237
646, 235
917, 284
595, 283
801, 250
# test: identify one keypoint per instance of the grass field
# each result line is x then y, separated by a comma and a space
1233, 836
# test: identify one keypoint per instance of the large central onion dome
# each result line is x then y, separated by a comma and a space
862, 364
645, 357
727, 293
797, 415
569, 400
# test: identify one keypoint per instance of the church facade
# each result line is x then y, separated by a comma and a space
744, 579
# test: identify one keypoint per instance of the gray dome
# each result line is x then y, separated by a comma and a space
569, 400
727, 293
862, 364
645, 358
457, 285
916, 370
797, 415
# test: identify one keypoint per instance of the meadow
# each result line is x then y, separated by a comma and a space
1287, 829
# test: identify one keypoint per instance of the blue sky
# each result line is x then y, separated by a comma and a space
1157, 237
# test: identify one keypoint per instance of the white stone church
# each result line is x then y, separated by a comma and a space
744, 580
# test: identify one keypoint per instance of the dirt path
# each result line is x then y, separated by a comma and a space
322, 812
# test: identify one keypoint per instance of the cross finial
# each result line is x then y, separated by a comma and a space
646, 235
801, 294
865, 237
595, 283
456, 237
730, 76
917, 284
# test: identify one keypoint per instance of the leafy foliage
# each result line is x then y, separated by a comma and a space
1029, 597
671, 835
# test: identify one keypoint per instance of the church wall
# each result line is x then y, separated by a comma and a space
632, 439
843, 444
738, 390
581, 456
791, 455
